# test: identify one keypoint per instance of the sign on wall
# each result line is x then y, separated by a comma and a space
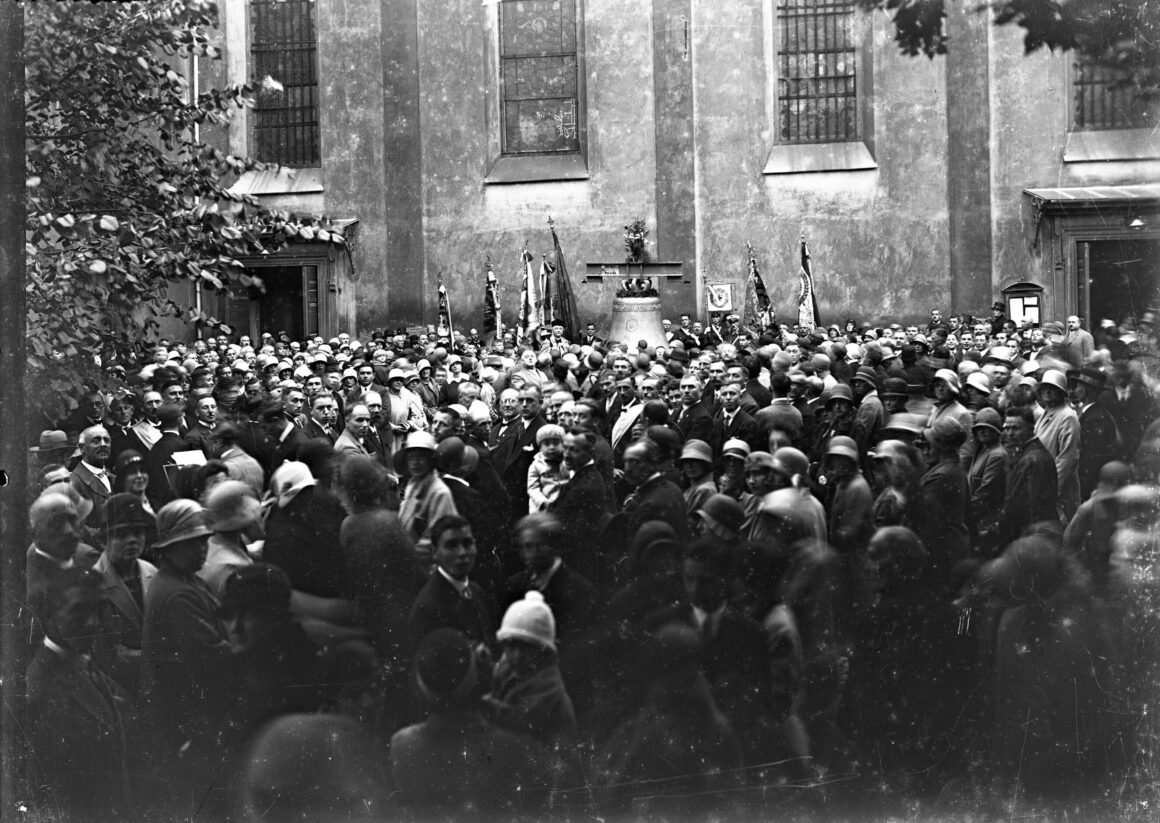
719, 296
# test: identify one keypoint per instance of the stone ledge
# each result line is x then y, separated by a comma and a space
540, 168
817, 157
1112, 144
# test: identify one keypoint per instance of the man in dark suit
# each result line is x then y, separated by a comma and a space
517, 447
120, 428
1130, 405
200, 434
76, 713
56, 534
321, 420
733, 422
124, 581
584, 503
488, 521
1032, 490
1099, 441
654, 497
509, 414
286, 436
693, 419
91, 478
734, 656
450, 599
159, 490
588, 336
539, 540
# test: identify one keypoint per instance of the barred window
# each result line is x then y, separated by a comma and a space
817, 85
538, 74
1104, 101
284, 45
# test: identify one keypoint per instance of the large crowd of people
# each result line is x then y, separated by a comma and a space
411, 575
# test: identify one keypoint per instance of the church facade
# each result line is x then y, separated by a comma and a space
443, 135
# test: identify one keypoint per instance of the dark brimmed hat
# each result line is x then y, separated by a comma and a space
127, 511
1093, 377
895, 387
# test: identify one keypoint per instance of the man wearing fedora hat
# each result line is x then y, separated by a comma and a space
52, 451
1099, 441
125, 579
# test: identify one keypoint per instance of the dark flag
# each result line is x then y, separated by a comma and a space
808, 315
564, 312
444, 327
492, 318
758, 315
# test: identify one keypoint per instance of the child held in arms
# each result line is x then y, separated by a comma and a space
547, 474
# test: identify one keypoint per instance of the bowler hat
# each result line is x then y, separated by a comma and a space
895, 387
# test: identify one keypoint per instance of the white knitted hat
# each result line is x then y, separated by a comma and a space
530, 620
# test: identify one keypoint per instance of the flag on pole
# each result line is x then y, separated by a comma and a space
547, 302
492, 317
529, 320
808, 316
758, 315
565, 311
444, 327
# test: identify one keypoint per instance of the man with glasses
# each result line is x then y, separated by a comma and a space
516, 449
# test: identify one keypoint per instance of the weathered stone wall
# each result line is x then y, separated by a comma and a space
680, 123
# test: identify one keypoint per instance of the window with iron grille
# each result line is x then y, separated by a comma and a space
817, 83
284, 45
538, 76
1104, 101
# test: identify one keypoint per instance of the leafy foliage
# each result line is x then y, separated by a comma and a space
1119, 34
124, 200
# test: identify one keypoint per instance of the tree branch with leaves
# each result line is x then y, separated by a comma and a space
124, 201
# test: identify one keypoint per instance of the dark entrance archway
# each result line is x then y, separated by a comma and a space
1123, 277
